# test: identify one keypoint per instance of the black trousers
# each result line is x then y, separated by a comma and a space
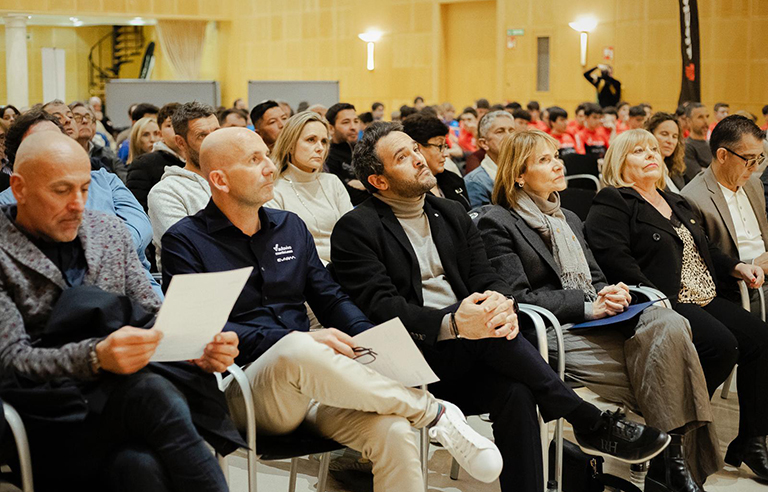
725, 334
508, 379
144, 440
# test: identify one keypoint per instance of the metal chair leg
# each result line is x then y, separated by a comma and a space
292, 477
322, 478
455, 468
424, 445
22, 446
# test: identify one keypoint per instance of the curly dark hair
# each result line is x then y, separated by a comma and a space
675, 162
421, 127
365, 159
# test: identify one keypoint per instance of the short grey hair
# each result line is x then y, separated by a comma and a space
488, 119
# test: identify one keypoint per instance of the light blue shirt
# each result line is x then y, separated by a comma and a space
108, 194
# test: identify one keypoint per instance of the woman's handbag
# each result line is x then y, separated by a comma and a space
584, 473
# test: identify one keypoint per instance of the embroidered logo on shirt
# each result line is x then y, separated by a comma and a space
282, 251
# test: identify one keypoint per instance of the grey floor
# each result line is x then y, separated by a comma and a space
273, 477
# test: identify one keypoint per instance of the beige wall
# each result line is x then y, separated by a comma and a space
317, 39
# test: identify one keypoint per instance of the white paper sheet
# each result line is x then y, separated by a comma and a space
392, 352
195, 309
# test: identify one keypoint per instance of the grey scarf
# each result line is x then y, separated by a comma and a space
546, 218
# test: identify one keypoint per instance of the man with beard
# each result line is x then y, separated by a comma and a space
182, 191
344, 131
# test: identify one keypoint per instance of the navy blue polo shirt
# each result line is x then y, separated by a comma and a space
287, 272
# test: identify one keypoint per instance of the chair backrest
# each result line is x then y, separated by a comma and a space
577, 200
581, 164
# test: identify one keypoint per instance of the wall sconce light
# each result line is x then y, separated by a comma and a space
583, 25
370, 37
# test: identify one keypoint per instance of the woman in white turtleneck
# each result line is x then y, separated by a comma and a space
300, 185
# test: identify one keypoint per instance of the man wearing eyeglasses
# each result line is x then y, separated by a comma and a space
101, 157
729, 197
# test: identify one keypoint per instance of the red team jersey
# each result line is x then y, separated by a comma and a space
567, 144
593, 141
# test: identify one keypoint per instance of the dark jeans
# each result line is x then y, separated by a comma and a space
143, 440
508, 379
725, 334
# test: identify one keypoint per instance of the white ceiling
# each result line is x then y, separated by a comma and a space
65, 21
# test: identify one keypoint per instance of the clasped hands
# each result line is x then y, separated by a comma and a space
129, 349
611, 300
487, 315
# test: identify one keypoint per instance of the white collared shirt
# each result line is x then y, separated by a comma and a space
749, 239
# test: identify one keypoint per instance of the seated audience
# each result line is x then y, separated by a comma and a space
684, 124
610, 122
268, 120
622, 112
636, 117
377, 110
240, 104
409, 254
9, 113
645, 363
344, 132
406, 111
146, 171
492, 129
728, 198
535, 111
287, 109
182, 191
577, 123
764, 127
418, 103
593, 139
65, 116
558, 118
429, 133
111, 422
301, 187
301, 377
640, 234
106, 192
144, 134
483, 107
101, 156
233, 117
522, 118
697, 153
666, 129
722, 110
319, 109
103, 123
124, 134
468, 130
138, 112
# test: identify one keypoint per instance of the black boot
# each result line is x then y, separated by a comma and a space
753, 453
669, 472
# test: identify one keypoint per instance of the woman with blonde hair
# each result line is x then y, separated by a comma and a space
301, 186
644, 235
667, 131
144, 134
646, 362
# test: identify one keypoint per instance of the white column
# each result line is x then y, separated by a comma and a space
16, 70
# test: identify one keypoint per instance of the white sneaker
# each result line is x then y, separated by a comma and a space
476, 454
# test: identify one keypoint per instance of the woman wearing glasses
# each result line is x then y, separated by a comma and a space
643, 235
430, 134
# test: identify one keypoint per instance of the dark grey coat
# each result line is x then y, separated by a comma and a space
525, 261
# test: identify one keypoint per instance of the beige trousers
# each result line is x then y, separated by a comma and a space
300, 380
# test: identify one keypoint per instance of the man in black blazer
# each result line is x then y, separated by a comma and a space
407, 253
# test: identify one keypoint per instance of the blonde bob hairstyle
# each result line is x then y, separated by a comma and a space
516, 150
616, 158
134, 147
289, 137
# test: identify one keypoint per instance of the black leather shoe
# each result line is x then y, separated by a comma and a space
753, 453
619, 438
669, 472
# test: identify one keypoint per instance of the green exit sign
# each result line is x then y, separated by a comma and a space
515, 32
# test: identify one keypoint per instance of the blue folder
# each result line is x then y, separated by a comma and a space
631, 312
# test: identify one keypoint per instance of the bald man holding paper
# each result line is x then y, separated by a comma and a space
70, 284
300, 376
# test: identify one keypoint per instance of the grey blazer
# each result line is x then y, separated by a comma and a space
525, 261
706, 198
30, 284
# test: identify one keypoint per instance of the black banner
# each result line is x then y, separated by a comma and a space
690, 89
